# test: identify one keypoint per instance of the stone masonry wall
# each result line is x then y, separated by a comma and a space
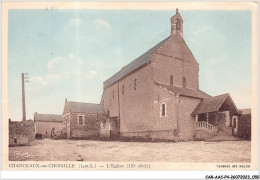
104, 130
178, 113
244, 127
135, 104
224, 123
187, 122
21, 133
164, 67
88, 129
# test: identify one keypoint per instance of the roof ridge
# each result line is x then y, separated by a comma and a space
49, 114
178, 86
213, 104
149, 50
136, 63
227, 94
183, 87
160, 85
84, 102
194, 93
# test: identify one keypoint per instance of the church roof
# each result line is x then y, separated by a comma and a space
174, 46
137, 63
48, 117
184, 91
213, 104
86, 107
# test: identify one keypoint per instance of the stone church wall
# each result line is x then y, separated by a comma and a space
135, 103
164, 67
178, 114
187, 122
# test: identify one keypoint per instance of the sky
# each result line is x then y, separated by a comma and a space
70, 53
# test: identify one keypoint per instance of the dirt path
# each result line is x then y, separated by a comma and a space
193, 151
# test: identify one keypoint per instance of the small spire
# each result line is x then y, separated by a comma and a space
177, 10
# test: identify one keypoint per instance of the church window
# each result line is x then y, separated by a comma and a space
171, 80
135, 84
123, 89
178, 24
163, 109
184, 82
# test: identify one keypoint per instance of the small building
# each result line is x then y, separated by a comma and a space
48, 125
80, 120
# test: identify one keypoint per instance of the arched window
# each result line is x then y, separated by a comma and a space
171, 80
235, 122
163, 109
123, 89
178, 24
135, 84
184, 82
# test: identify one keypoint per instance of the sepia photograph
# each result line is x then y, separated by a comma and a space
115, 84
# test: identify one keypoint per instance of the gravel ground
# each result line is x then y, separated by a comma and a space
192, 151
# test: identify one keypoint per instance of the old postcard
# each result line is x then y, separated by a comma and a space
129, 86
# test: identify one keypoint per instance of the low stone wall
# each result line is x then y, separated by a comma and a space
244, 127
202, 135
156, 135
21, 133
81, 134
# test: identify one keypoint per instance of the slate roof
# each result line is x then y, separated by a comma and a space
211, 104
86, 107
48, 117
137, 63
184, 91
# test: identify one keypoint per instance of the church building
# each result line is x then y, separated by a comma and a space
157, 96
